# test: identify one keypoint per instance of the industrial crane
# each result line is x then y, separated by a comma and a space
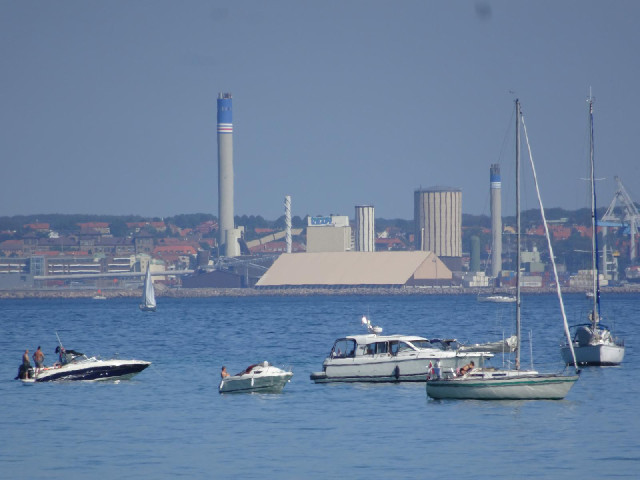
628, 216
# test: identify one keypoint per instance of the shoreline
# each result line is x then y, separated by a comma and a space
287, 292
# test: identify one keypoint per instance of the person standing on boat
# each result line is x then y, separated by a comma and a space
38, 358
224, 373
26, 363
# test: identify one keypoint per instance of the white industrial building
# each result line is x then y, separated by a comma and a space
329, 234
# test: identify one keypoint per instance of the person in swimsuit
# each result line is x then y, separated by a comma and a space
38, 358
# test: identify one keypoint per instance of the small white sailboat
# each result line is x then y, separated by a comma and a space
593, 342
483, 383
148, 294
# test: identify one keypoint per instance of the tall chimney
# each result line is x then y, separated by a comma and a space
496, 220
287, 220
225, 170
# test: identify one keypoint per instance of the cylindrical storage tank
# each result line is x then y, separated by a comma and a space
365, 229
202, 258
225, 168
474, 265
496, 220
438, 222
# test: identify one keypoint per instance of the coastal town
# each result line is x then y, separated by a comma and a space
64, 257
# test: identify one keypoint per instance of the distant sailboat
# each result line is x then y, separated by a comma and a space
148, 295
593, 343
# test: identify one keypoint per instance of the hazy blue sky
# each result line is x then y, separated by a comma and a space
109, 107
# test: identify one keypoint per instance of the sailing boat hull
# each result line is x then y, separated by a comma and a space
594, 355
516, 387
148, 308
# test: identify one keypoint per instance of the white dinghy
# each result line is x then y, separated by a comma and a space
259, 377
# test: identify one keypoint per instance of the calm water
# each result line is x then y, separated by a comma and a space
170, 421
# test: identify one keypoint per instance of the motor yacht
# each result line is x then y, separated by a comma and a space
390, 358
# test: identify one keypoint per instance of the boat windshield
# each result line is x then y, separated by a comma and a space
420, 344
343, 348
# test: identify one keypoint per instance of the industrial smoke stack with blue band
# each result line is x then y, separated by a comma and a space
225, 170
496, 220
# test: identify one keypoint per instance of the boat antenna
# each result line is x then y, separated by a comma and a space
59, 341
370, 328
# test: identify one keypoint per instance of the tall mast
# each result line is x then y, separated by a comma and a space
518, 233
595, 311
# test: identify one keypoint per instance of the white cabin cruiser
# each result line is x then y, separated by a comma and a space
77, 366
389, 358
259, 377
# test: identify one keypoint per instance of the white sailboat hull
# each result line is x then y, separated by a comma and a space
596, 355
501, 386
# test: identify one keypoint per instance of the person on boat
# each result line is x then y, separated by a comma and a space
38, 358
467, 368
25, 366
224, 373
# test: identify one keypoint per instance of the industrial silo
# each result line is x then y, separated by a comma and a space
438, 223
365, 229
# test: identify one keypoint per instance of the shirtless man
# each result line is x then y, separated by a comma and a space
38, 358
223, 373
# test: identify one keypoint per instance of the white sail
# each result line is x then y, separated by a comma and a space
148, 294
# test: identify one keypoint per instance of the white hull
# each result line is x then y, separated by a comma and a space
596, 355
90, 369
500, 385
260, 379
413, 367
497, 299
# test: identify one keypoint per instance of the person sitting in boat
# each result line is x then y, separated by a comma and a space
224, 373
466, 368
66, 356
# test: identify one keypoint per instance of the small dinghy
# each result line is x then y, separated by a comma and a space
259, 377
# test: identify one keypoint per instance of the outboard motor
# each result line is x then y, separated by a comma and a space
25, 372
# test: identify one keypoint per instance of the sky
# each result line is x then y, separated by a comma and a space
110, 107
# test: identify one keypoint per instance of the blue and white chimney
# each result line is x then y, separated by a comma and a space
496, 220
225, 170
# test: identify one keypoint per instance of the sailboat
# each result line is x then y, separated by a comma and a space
484, 383
592, 342
148, 295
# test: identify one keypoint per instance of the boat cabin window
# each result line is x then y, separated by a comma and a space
421, 343
376, 348
343, 348
403, 347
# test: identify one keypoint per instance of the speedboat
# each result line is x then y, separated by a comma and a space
77, 366
390, 358
259, 377
496, 298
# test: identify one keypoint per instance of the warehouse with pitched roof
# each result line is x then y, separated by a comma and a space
356, 269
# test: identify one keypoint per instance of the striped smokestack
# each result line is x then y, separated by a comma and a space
225, 170
496, 220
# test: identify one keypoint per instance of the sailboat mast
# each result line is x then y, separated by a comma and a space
518, 333
595, 314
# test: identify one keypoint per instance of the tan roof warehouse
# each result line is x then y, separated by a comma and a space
326, 269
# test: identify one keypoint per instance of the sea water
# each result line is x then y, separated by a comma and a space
171, 422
